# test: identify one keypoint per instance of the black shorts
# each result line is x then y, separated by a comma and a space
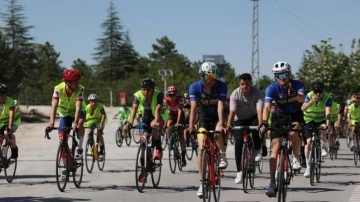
279, 120
312, 124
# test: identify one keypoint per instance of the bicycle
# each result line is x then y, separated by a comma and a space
92, 151
66, 161
174, 153
193, 144
315, 159
248, 164
211, 172
284, 171
146, 163
120, 135
6, 162
332, 144
356, 146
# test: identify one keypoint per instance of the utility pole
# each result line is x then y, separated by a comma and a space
255, 70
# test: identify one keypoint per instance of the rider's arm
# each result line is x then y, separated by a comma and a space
77, 112
54, 106
221, 113
133, 113
328, 116
11, 116
103, 117
193, 114
307, 103
266, 111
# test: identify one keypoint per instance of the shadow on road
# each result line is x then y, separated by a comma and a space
29, 198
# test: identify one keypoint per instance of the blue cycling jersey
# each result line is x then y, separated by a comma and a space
284, 104
208, 102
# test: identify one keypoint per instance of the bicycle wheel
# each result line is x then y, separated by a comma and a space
128, 138
252, 168
89, 156
164, 137
281, 180
318, 163
140, 168
155, 171
312, 163
190, 151
62, 162
206, 187
9, 164
101, 161
245, 167
172, 158
77, 170
232, 138
118, 137
332, 146
136, 133
260, 165
217, 186
347, 134
356, 156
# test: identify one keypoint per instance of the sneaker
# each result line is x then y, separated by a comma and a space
258, 156
78, 153
142, 177
307, 173
296, 165
183, 162
200, 192
223, 161
14, 153
238, 178
271, 192
158, 154
323, 153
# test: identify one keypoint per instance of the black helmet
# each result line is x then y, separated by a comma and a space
318, 87
3, 88
147, 83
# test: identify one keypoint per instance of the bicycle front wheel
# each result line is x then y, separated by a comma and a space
172, 158
155, 171
281, 189
252, 168
206, 187
62, 163
164, 138
101, 161
190, 152
312, 163
245, 166
118, 137
89, 156
217, 186
260, 164
318, 164
140, 168
77, 170
136, 133
9, 164
128, 138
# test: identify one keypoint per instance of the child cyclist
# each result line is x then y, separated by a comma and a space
10, 117
96, 116
174, 105
124, 114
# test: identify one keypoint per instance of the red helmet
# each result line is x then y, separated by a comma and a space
171, 90
71, 75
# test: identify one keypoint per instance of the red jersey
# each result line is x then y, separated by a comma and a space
173, 106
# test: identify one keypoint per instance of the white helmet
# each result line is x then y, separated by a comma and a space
208, 68
281, 67
93, 97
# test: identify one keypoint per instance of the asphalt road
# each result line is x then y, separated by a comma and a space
35, 176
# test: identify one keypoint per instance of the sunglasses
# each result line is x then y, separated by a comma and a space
210, 77
283, 75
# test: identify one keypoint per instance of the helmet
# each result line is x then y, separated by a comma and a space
147, 83
71, 75
207, 68
171, 90
318, 86
3, 89
186, 95
93, 97
281, 67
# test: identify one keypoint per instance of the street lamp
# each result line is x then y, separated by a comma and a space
111, 99
164, 73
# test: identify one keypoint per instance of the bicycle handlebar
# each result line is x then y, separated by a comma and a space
47, 134
244, 127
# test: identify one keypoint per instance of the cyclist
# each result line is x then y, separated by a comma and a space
288, 95
151, 100
353, 116
209, 94
10, 116
174, 105
246, 104
336, 118
317, 112
96, 116
67, 101
124, 113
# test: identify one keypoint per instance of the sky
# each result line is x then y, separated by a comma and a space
198, 27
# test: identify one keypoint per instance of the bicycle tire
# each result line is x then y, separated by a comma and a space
356, 149
190, 152
164, 137
156, 165
62, 159
245, 167
312, 163
77, 170
318, 163
9, 164
140, 167
118, 137
101, 162
128, 139
89, 156
347, 134
281, 179
172, 158
252, 169
136, 133
178, 157
217, 188
260, 165
205, 183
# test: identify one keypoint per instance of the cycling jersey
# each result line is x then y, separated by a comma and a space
335, 110
5, 112
316, 111
208, 102
284, 104
174, 106
354, 112
124, 113
246, 107
67, 103
93, 117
